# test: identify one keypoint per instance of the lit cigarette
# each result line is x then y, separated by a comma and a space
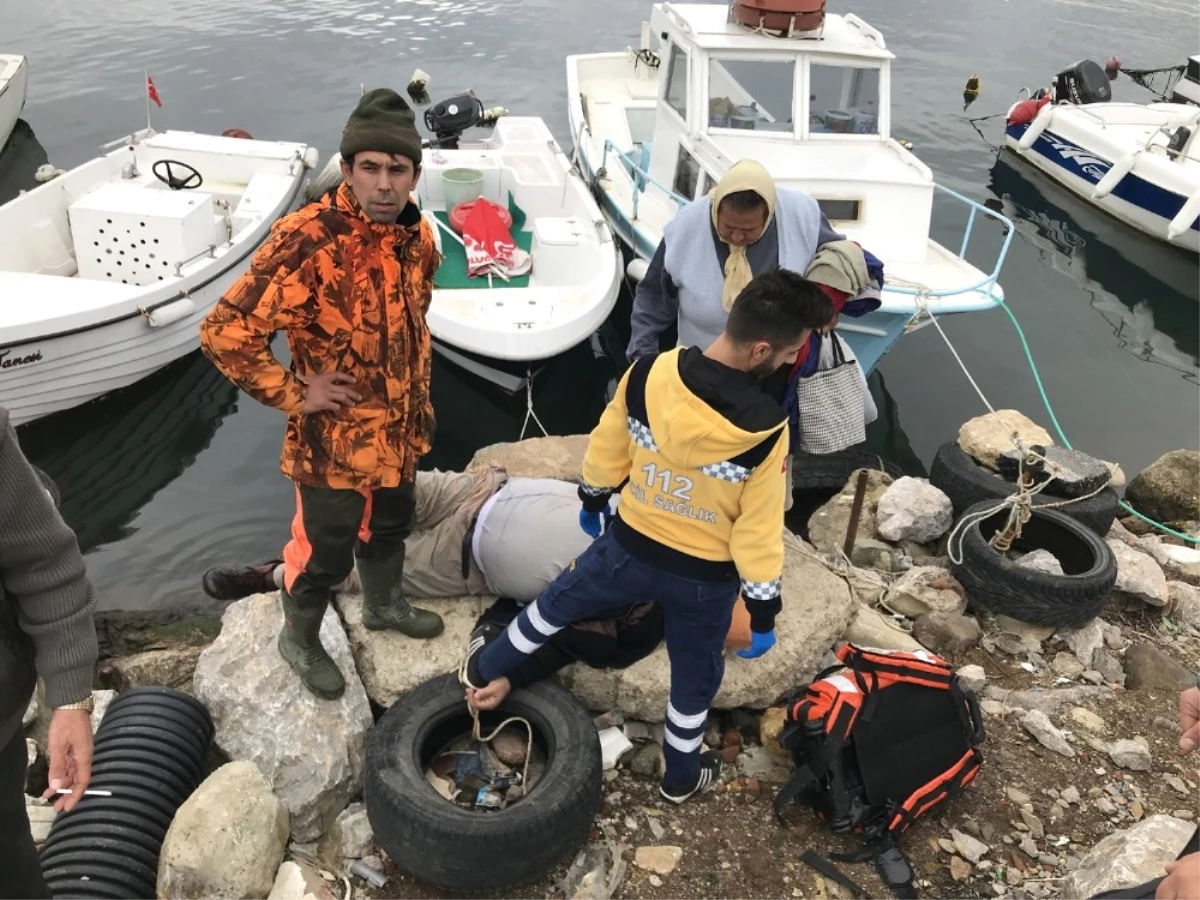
85, 793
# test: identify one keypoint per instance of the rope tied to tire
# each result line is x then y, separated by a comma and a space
1019, 504
477, 730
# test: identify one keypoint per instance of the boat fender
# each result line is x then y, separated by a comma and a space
1185, 217
1039, 124
171, 312
1112, 178
636, 270
1025, 110
311, 158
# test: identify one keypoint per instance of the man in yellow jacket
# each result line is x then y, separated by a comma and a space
697, 451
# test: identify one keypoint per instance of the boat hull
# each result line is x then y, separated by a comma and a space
1139, 203
12, 93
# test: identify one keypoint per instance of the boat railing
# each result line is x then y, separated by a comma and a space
989, 281
640, 177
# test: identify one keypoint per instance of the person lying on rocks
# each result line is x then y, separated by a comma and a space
697, 451
481, 532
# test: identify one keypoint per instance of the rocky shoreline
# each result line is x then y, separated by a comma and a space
1082, 784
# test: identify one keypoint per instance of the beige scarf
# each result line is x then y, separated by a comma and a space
744, 175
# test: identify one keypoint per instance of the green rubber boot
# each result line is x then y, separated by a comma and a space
385, 606
300, 645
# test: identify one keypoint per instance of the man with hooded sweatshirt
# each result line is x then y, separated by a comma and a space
349, 279
697, 451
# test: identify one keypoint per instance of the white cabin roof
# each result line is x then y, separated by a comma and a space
708, 26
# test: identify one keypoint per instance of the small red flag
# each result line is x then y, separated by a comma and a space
152, 91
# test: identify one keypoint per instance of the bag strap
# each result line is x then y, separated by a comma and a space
839, 355
816, 861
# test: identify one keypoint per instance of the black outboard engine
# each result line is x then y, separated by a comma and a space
1084, 82
450, 118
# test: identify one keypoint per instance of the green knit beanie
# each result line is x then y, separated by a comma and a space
382, 122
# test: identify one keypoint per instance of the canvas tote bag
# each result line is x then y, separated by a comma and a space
830, 409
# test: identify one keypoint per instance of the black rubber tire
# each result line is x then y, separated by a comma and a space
1069, 600
966, 483
470, 852
827, 473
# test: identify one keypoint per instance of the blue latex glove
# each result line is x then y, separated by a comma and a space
760, 643
591, 521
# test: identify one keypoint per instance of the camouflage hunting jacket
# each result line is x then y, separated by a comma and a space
351, 296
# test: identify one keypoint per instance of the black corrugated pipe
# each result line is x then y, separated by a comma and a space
150, 750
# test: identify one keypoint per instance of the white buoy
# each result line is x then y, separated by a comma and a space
1184, 218
636, 270
1039, 124
1113, 176
47, 172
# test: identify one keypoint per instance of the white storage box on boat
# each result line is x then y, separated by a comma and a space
125, 233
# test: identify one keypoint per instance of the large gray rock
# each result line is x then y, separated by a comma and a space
870, 628
1148, 668
1128, 857
827, 527
1185, 602
545, 457
1169, 489
226, 840
1085, 640
925, 589
817, 607
912, 509
1138, 575
986, 437
310, 749
1075, 473
946, 634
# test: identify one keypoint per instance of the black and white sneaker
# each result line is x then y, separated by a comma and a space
468, 674
710, 771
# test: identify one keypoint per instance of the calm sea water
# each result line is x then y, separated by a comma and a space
180, 472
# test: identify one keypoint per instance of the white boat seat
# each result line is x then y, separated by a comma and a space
556, 231
260, 197
529, 169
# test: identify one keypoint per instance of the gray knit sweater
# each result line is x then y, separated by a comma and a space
46, 599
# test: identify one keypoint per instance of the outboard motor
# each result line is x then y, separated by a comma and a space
450, 118
1084, 82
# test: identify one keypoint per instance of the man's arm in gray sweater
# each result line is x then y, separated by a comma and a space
43, 576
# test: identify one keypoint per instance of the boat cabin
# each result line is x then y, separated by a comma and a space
813, 107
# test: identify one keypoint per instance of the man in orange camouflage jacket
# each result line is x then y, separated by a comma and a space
348, 278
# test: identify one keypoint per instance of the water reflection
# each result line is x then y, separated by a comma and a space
1145, 290
19, 160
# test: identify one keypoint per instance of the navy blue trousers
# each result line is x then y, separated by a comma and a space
696, 615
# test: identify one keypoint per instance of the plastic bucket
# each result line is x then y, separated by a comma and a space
838, 120
461, 186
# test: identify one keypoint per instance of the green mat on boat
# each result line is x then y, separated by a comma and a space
452, 274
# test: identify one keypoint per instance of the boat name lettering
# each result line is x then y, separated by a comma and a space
1093, 165
6, 363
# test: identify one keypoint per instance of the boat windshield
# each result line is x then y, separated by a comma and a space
751, 94
748, 94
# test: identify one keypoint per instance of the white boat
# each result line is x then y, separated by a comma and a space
656, 127
491, 326
1187, 88
107, 270
1138, 162
14, 82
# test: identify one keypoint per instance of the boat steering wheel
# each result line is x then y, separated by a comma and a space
173, 181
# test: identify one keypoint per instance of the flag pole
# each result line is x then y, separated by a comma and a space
146, 91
